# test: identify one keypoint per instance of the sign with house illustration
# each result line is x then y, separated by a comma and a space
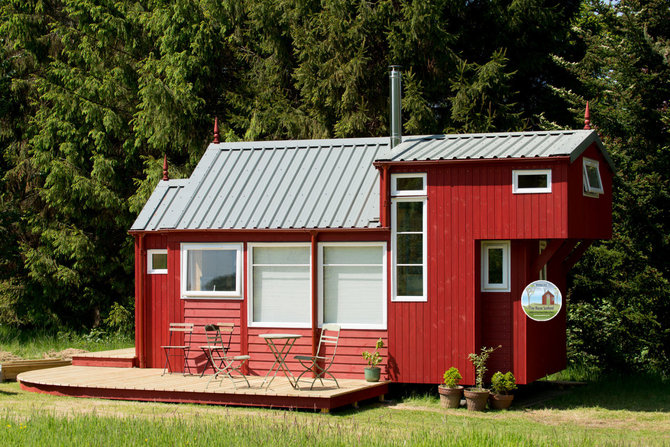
541, 300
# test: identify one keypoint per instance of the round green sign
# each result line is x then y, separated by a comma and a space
541, 300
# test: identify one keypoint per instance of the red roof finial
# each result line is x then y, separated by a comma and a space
587, 118
216, 130
165, 169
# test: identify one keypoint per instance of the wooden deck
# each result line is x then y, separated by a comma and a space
148, 384
120, 358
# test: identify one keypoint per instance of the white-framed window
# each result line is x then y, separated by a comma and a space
211, 270
409, 184
408, 237
352, 284
593, 185
543, 271
157, 261
531, 181
280, 286
495, 266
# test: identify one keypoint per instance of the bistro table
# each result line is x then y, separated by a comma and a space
280, 351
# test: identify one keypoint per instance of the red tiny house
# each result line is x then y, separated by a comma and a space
503, 205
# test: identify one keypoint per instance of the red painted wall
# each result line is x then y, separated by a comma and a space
468, 202
164, 305
590, 217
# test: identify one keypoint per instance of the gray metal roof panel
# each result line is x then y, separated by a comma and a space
162, 198
278, 185
321, 183
495, 145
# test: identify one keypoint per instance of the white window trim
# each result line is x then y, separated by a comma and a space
405, 193
186, 294
394, 264
505, 286
250, 285
383, 325
589, 190
519, 172
150, 266
543, 271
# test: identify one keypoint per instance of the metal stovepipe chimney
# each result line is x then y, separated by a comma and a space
396, 122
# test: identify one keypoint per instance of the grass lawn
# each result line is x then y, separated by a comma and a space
630, 411
40, 344
610, 412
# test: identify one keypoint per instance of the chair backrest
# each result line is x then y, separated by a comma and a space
176, 328
330, 336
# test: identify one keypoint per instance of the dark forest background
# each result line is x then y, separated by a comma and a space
94, 93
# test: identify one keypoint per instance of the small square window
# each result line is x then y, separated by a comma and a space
156, 262
495, 266
408, 185
593, 185
530, 181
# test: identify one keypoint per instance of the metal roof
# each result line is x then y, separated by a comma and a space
321, 183
162, 199
273, 185
497, 145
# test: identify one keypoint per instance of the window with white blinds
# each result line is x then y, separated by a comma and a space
279, 285
353, 284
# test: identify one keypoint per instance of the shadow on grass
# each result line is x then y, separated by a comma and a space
633, 393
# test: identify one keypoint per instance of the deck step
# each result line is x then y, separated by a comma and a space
10, 369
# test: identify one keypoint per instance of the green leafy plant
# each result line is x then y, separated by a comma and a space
479, 362
503, 383
375, 358
451, 377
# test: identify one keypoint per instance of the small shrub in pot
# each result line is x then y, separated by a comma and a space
501, 387
450, 392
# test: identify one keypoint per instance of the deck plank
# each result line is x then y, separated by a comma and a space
151, 384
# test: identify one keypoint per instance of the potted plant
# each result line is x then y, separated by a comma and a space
476, 397
501, 386
450, 392
373, 372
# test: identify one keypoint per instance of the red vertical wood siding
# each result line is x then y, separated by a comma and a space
590, 217
469, 202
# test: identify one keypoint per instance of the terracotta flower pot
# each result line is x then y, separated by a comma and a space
476, 400
372, 373
450, 397
501, 401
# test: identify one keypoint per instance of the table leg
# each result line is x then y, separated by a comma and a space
279, 363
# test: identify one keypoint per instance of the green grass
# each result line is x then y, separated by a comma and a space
607, 413
577, 373
34, 344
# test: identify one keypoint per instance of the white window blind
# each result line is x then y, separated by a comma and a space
280, 285
353, 285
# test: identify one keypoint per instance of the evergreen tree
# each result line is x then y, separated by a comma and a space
96, 92
620, 301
